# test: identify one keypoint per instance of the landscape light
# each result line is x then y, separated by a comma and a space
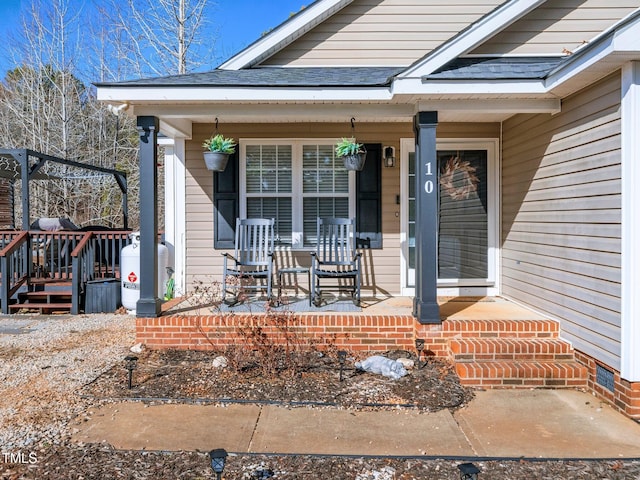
468, 471
131, 364
419, 348
342, 357
218, 458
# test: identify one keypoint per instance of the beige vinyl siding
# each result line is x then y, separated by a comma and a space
382, 33
381, 266
561, 212
557, 27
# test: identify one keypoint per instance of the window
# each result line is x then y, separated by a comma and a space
294, 182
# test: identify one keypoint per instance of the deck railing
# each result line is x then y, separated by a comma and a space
14, 265
96, 256
38, 257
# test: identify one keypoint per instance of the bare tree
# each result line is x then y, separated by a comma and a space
47, 103
46, 107
164, 37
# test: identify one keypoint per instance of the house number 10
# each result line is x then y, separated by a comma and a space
428, 185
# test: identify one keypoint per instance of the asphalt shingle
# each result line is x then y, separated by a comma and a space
503, 68
274, 77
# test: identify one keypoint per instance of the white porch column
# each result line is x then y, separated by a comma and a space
630, 276
174, 214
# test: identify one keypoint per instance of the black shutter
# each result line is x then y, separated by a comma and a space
226, 188
369, 199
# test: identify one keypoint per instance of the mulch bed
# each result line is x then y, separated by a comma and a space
99, 462
300, 379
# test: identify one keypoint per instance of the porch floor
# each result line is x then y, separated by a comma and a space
456, 308
451, 308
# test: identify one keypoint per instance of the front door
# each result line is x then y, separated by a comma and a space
467, 225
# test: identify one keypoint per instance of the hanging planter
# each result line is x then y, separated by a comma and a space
352, 153
354, 162
216, 161
217, 151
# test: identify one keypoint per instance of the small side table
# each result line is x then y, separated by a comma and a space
295, 271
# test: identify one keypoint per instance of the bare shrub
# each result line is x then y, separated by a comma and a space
272, 343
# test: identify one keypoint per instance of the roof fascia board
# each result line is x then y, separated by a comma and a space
284, 34
415, 86
381, 111
474, 35
499, 105
241, 94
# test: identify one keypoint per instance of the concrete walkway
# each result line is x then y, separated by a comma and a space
497, 423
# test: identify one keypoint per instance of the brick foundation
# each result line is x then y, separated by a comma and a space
209, 332
625, 396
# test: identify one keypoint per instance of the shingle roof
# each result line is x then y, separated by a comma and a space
503, 68
273, 77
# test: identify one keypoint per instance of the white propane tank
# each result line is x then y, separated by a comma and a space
130, 271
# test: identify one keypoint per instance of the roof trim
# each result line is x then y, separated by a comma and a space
204, 94
469, 38
284, 34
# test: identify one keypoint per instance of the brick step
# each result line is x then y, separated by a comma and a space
512, 374
501, 328
539, 349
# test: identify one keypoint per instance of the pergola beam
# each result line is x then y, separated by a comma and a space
27, 173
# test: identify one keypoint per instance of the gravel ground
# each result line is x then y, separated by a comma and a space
49, 364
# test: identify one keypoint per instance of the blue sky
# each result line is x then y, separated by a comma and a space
239, 22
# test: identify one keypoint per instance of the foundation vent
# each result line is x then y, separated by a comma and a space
604, 377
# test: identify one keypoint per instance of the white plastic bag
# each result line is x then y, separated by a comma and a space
382, 366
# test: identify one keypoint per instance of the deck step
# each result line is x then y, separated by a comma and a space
54, 300
45, 294
513, 374
44, 307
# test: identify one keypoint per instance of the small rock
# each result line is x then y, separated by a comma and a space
220, 362
137, 348
406, 363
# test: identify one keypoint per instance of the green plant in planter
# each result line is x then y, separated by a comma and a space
348, 146
220, 144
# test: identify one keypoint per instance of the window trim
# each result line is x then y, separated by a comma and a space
297, 195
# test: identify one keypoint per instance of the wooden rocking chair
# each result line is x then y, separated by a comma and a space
335, 257
252, 259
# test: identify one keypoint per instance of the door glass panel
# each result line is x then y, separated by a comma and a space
463, 216
463, 222
411, 227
